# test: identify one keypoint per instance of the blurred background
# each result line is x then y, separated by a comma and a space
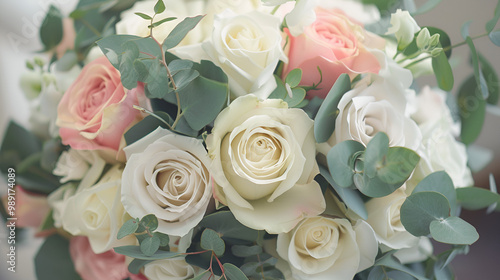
19, 21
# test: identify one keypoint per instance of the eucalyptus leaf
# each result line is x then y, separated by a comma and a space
159, 7
495, 37
293, 77
492, 80
233, 272
226, 224
135, 252
474, 198
150, 222
53, 260
464, 30
478, 73
453, 230
127, 228
472, 110
164, 238
160, 22
146, 126
298, 95
340, 161
442, 70
129, 75
210, 240
144, 16
397, 165
324, 122
375, 153
388, 260
51, 30
490, 25
351, 198
422, 208
150, 245
136, 264
374, 187
246, 251
180, 31
426, 7
439, 182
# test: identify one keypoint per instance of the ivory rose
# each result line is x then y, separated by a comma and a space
384, 217
326, 248
248, 48
172, 269
264, 164
97, 213
336, 44
91, 266
167, 175
96, 110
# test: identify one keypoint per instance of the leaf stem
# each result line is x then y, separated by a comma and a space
152, 114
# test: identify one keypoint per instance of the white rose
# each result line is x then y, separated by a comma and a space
247, 47
172, 269
77, 164
132, 24
43, 108
439, 150
417, 253
264, 164
384, 217
167, 175
97, 213
322, 248
404, 27
58, 200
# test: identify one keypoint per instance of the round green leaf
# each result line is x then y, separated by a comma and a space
150, 245
453, 230
443, 72
374, 187
397, 166
439, 182
233, 272
210, 240
51, 30
340, 162
246, 251
227, 226
324, 123
420, 209
293, 78
164, 238
495, 37
376, 151
150, 221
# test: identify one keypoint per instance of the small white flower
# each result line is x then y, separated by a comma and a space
404, 26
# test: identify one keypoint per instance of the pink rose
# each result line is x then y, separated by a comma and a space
106, 266
334, 43
96, 110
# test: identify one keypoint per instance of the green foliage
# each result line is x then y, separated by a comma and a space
51, 30
246, 251
159, 7
422, 208
453, 230
150, 222
472, 108
426, 7
210, 240
491, 79
136, 252
341, 161
232, 272
180, 31
293, 78
490, 25
474, 198
128, 228
324, 123
227, 226
294, 98
442, 70
144, 16
495, 37
351, 198
149, 245
444, 42
31, 158
478, 73
440, 182
389, 261
53, 260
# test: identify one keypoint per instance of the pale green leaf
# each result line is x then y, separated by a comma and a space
472, 110
135, 252
159, 7
293, 78
439, 182
180, 31
128, 227
150, 245
341, 163
150, 221
443, 72
210, 240
144, 16
233, 272
420, 209
453, 230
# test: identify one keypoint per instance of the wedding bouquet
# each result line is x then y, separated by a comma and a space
274, 139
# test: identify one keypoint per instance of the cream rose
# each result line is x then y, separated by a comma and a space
384, 217
264, 164
439, 150
322, 248
97, 213
247, 47
172, 269
167, 175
